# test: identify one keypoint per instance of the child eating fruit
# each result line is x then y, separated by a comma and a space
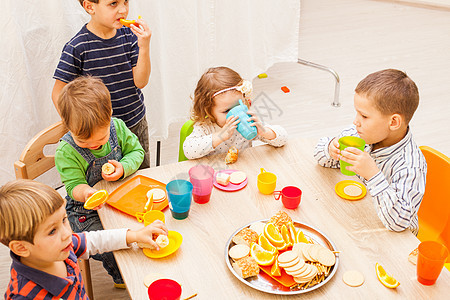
44, 251
219, 90
94, 139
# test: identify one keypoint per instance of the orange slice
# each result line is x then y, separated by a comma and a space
262, 257
275, 270
273, 235
96, 199
266, 245
292, 232
385, 279
127, 23
301, 237
286, 235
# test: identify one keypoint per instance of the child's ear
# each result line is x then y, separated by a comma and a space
88, 7
19, 248
396, 122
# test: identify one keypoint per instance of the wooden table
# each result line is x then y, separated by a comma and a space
199, 265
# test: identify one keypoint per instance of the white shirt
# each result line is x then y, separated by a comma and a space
398, 188
199, 142
101, 241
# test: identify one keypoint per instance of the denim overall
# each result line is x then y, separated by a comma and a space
82, 219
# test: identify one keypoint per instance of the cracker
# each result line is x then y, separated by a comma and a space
313, 251
353, 278
149, 278
158, 195
305, 252
287, 257
352, 190
295, 268
326, 257
239, 251
237, 177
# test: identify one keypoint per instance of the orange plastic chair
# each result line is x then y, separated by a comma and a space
434, 211
33, 163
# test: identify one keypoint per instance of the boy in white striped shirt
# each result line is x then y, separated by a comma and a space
391, 165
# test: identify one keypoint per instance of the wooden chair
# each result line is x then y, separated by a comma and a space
185, 131
434, 211
33, 163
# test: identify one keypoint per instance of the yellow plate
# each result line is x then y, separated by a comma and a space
339, 188
175, 240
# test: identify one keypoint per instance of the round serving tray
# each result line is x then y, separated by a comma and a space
264, 282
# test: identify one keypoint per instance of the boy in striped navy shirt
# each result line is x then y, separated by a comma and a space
44, 251
120, 56
391, 165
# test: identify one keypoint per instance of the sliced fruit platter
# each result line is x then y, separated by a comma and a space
294, 257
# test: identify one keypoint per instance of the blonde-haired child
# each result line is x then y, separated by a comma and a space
43, 249
94, 138
219, 90
392, 165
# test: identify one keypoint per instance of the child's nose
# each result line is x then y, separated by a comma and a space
123, 8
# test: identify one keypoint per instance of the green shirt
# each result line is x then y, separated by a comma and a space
72, 167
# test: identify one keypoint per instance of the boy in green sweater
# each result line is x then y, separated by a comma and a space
94, 138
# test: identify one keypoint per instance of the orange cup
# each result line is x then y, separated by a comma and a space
431, 259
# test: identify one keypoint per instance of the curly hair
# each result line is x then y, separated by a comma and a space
213, 80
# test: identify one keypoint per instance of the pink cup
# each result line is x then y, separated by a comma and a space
290, 196
201, 177
164, 289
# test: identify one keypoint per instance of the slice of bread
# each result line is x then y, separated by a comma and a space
246, 267
246, 236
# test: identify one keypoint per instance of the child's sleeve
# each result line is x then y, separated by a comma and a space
281, 136
71, 167
132, 151
101, 241
397, 202
198, 143
69, 66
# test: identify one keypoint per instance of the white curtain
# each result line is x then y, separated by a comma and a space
188, 37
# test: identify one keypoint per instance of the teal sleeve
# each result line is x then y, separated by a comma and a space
132, 151
72, 167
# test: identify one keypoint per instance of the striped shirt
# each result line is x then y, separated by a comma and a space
112, 60
30, 283
397, 189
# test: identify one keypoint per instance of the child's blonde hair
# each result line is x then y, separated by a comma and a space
85, 105
212, 81
392, 92
24, 204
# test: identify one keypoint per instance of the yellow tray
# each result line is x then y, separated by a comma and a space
131, 196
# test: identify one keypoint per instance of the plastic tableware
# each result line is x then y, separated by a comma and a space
180, 196
290, 196
230, 187
430, 261
150, 217
267, 182
175, 240
350, 141
201, 177
340, 186
244, 128
164, 289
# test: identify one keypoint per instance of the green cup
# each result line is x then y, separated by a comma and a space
350, 141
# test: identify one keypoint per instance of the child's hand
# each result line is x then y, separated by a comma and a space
333, 149
362, 162
118, 172
143, 33
226, 131
263, 131
145, 235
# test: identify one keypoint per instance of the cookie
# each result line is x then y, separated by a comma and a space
158, 195
352, 190
353, 278
326, 257
150, 278
239, 251
237, 177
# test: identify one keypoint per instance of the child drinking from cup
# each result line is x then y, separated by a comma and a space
43, 249
391, 165
218, 91
94, 138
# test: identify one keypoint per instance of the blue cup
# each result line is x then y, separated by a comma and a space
179, 193
244, 128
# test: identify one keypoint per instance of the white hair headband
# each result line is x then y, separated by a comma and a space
245, 88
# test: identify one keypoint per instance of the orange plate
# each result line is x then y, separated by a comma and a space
131, 196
